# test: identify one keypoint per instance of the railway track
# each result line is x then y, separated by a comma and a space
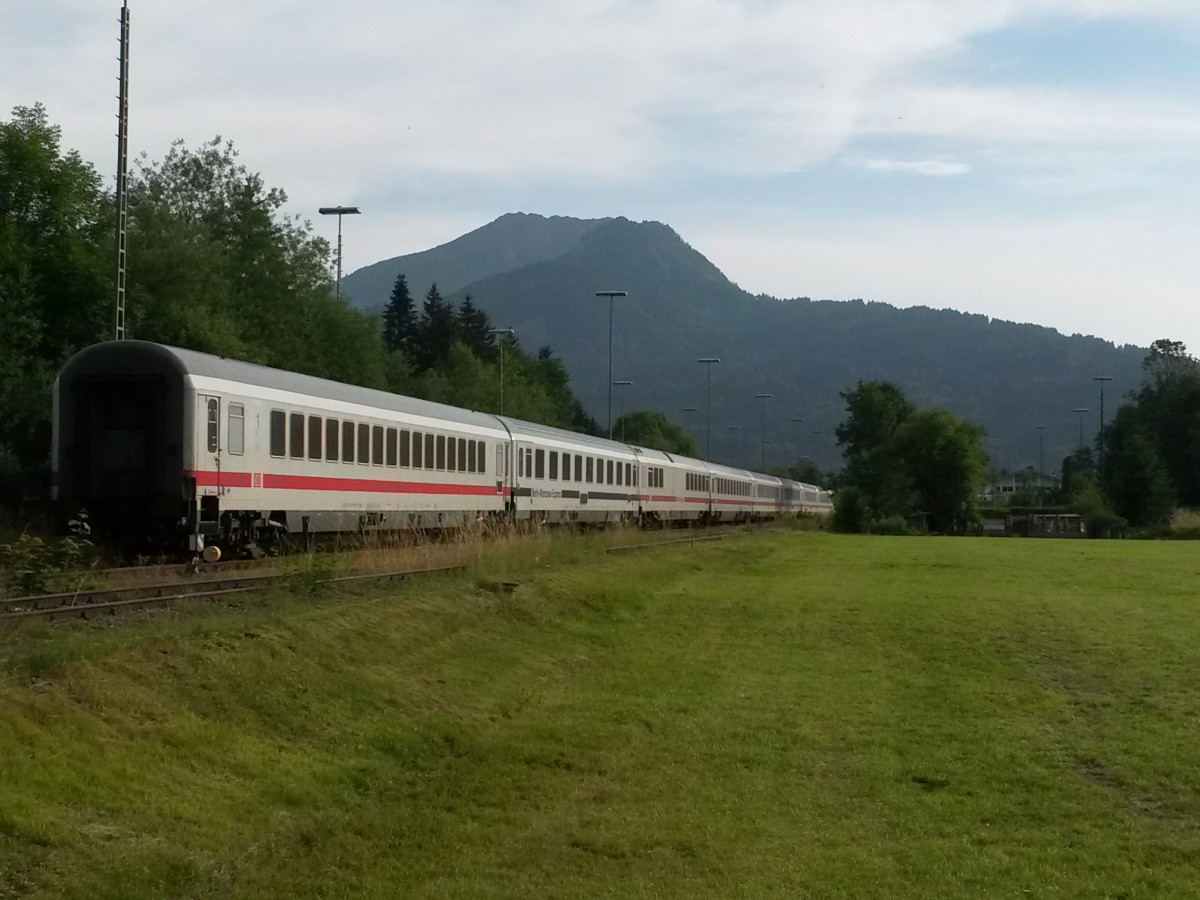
117, 599
215, 581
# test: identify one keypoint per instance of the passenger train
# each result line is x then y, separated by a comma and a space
180, 449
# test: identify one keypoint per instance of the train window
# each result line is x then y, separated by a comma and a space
481, 457
314, 437
462, 454
451, 454
429, 442
609, 469
331, 440
471, 448
391, 447
278, 433
554, 465
237, 429
377, 444
520, 462
214, 417
620, 479
539, 463
441, 452
364, 443
405, 449
347, 441
589, 470
296, 435
629, 473
418, 441
578, 467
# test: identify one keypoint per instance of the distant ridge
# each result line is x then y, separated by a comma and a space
510, 242
540, 275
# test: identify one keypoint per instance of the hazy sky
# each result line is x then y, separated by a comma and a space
1033, 160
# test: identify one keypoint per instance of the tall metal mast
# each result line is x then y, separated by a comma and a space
122, 165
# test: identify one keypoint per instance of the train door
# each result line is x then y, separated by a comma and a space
208, 461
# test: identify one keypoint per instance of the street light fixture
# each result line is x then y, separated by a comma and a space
339, 211
1080, 410
610, 295
764, 398
1101, 379
511, 332
708, 362
622, 385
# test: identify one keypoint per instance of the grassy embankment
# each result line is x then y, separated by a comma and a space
775, 715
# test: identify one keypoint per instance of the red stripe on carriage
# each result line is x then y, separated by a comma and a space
365, 485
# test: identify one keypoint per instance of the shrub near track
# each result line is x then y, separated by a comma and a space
774, 715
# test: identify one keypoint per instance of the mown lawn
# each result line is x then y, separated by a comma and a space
782, 715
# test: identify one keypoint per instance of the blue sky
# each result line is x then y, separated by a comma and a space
1031, 160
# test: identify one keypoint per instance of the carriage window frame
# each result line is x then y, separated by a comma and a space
462, 454
471, 457
333, 429
364, 444
316, 437
391, 449
236, 437
278, 433
430, 445
377, 445
296, 429
553, 475
348, 432
440, 450
405, 448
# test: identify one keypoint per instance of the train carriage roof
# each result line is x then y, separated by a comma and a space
117, 358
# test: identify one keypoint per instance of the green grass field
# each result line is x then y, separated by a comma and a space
787, 715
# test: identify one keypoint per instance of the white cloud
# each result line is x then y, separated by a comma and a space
935, 167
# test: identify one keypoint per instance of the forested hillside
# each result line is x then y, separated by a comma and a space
1008, 377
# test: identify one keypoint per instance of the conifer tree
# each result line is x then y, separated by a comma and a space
399, 318
436, 331
475, 329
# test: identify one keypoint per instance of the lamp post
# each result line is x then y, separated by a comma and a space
622, 385
511, 332
1080, 410
708, 362
1101, 379
733, 430
797, 421
610, 295
764, 398
1041, 460
339, 211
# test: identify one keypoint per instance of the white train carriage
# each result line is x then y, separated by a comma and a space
674, 488
158, 443
561, 476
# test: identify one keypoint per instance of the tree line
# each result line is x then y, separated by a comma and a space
214, 264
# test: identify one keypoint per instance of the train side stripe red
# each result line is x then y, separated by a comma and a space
274, 481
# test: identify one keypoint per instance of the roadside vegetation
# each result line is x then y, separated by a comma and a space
773, 715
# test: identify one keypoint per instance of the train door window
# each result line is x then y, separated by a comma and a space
405, 449
347, 441
441, 452
481, 457
539, 463
462, 454
471, 446
236, 437
578, 467
520, 462
554, 465
213, 415
391, 447
610, 472
296, 435
331, 439
314, 437
364, 444
377, 445
500, 461
429, 443
589, 470
451, 454
418, 442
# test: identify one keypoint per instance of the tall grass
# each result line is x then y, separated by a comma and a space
772, 715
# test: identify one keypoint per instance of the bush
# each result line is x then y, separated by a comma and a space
850, 513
